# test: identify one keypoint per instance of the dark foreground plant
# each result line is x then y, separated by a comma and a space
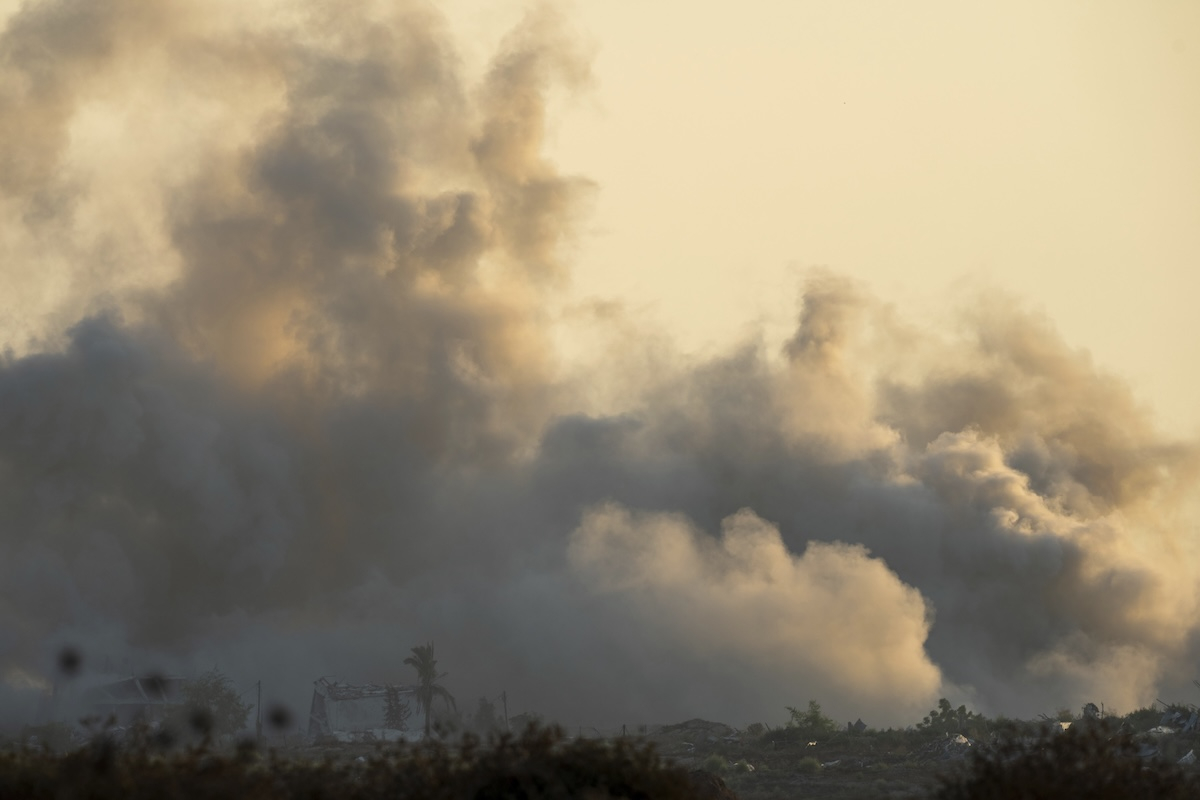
1090, 761
539, 764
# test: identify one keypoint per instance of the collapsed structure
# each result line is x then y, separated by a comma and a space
359, 712
136, 699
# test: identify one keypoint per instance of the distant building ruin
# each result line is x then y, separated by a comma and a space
360, 712
135, 699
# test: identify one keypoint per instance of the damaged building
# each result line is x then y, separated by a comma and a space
364, 712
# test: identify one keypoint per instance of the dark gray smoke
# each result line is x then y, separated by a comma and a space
281, 396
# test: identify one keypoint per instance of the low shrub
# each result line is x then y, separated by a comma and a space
1084, 762
808, 765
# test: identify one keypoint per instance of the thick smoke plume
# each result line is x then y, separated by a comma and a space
280, 393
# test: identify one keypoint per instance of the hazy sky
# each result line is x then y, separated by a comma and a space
928, 148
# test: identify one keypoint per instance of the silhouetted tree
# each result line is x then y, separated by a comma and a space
428, 688
485, 721
946, 719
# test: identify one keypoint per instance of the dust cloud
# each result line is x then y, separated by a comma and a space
280, 394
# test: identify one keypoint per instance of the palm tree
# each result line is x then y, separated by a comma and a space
428, 688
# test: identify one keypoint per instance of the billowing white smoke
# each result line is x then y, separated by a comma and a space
279, 394
837, 619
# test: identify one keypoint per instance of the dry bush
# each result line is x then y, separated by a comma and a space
808, 765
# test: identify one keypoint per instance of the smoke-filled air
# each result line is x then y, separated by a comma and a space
283, 391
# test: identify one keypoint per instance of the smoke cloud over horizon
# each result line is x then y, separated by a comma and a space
280, 392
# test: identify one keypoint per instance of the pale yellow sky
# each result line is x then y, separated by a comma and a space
929, 149
1051, 150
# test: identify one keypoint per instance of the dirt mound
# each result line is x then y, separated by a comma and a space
696, 730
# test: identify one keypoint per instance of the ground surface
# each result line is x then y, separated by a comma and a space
842, 766
760, 764
872, 764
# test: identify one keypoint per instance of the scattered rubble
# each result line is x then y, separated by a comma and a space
147, 698
686, 736
1185, 719
374, 735
951, 748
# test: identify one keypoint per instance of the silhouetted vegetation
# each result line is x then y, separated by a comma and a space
211, 707
1118, 757
811, 723
540, 763
428, 688
945, 719
952, 754
486, 721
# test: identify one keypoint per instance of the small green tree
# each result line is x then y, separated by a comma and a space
428, 688
946, 719
812, 722
211, 706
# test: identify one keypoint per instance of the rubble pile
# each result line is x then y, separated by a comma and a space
1181, 720
1177, 720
